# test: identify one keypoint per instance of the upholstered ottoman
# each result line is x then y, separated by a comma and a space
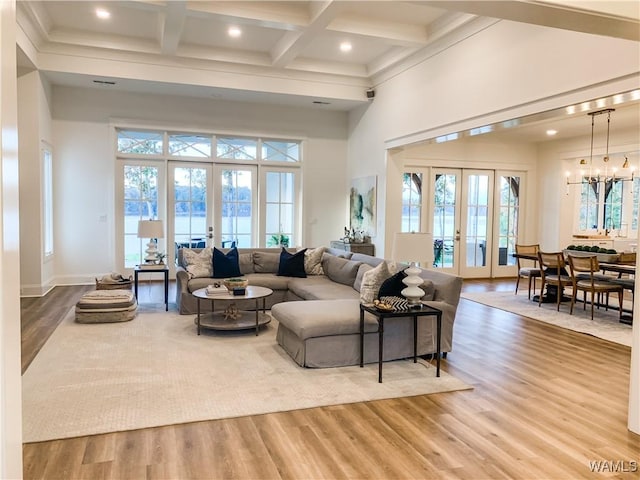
106, 306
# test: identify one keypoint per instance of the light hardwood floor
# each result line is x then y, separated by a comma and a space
545, 402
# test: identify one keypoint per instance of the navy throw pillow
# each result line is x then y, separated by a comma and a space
292, 264
226, 266
392, 286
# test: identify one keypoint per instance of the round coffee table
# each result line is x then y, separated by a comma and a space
232, 318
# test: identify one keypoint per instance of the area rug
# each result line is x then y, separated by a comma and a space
605, 324
155, 370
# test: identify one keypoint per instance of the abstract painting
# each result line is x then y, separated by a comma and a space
362, 204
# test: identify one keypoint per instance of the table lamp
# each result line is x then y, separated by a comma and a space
412, 247
151, 229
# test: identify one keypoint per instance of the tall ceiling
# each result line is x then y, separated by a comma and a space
281, 42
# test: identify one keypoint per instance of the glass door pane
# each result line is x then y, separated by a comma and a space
237, 206
509, 214
446, 219
476, 232
280, 208
190, 192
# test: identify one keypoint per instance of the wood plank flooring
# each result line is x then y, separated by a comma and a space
546, 402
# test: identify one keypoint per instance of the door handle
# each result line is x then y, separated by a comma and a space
457, 237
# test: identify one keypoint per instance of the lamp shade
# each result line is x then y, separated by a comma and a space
150, 229
412, 247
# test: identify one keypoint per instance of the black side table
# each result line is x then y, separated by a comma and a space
165, 271
414, 313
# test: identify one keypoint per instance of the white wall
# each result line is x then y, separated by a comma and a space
85, 164
504, 71
34, 124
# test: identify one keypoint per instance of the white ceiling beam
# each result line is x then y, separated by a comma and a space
291, 45
400, 34
278, 15
548, 15
171, 25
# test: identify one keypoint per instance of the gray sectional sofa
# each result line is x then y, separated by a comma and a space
319, 317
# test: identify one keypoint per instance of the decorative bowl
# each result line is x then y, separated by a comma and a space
232, 283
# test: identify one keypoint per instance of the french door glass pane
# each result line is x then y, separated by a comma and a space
444, 220
477, 209
279, 208
508, 211
237, 213
140, 203
411, 201
190, 206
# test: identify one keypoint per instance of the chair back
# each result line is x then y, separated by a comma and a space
628, 258
588, 264
527, 250
551, 260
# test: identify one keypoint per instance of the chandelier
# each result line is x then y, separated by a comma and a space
595, 176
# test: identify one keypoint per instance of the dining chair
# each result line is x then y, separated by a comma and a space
553, 272
585, 278
525, 270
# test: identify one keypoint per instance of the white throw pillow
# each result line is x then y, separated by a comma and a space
372, 280
198, 264
313, 261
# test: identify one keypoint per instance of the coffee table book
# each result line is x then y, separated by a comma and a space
151, 266
213, 291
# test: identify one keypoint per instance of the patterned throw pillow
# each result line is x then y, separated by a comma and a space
313, 261
197, 264
373, 280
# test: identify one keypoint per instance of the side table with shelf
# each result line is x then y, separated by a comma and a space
165, 271
414, 313
366, 248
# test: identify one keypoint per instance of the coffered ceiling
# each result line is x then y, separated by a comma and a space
280, 42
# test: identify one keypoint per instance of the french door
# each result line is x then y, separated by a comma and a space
462, 219
211, 205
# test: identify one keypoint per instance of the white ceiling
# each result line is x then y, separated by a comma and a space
280, 41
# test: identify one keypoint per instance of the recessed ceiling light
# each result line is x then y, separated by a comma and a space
321, 102
345, 47
551, 132
102, 13
234, 32
104, 82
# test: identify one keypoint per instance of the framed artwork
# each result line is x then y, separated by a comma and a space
362, 205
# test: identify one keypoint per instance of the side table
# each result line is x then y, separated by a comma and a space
414, 313
137, 271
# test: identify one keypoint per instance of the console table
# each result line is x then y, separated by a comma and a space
366, 248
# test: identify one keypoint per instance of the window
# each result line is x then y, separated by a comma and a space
140, 203
193, 146
636, 196
212, 198
601, 204
140, 142
279, 208
47, 201
411, 202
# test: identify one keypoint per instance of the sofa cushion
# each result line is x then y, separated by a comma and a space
319, 318
197, 264
373, 280
266, 262
292, 264
269, 280
339, 269
368, 259
319, 287
226, 265
313, 261
246, 263
362, 269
